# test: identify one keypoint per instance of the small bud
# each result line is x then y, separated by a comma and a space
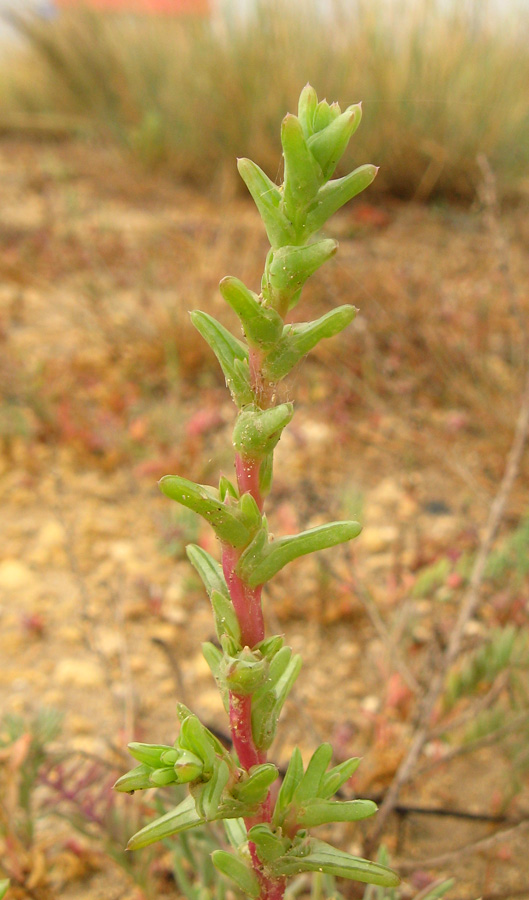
308, 101
257, 431
329, 145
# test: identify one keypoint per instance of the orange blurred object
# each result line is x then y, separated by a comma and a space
165, 7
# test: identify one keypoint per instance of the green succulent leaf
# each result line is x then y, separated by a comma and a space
203, 500
262, 325
268, 703
208, 795
226, 621
298, 340
288, 269
293, 776
214, 658
317, 856
329, 144
303, 175
254, 787
4, 885
333, 780
183, 817
208, 568
322, 116
231, 354
150, 754
242, 875
135, 780
163, 776
269, 845
196, 738
236, 832
267, 199
257, 565
332, 196
257, 431
309, 785
188, 767
320, 812
308, 101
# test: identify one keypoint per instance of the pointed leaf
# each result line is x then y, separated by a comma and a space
269, 845
203, 501
322, 116
262, 324
320, 812
135, 780
287, 271
231, 354
226, 621
208, 799
332, 196
257, 431
267, 199
236, 832
254, 788
297, 340
4, 885
308, 101
333, 780
183, 817
321, 857
293, 776
303, 175
310, 783
161, 777
234, 868
329, 145
150, 754
194, 737
258, 569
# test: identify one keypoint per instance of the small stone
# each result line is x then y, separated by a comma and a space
376, 539
79, 673
49, 546
15, 575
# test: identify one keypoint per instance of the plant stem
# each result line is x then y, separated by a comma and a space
247, 604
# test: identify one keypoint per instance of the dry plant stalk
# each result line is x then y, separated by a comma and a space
267, 825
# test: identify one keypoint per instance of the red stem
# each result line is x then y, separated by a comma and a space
247, 604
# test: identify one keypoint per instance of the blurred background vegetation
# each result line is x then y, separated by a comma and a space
441, 81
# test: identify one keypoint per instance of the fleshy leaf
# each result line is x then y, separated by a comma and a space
203, 501
269, 845
226, 621
293, 776
266, 709
262, 325
257, 431
333, 780
317, 856
320, 812
161, 777
267, 199
240, 874
254, 788
332, 196
4, 885
135, 780
150, 754
308, 101
183, 817
231, 354
256, 568
298, 340
288, 269
310, 783
208, 796
329, 145
303, 175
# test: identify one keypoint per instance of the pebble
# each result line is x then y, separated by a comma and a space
378, 538
15, 575
79, 673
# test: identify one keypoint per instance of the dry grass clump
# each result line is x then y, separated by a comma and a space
440, 83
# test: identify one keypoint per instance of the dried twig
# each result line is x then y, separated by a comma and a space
434, 862
466, 612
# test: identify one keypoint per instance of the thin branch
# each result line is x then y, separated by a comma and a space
468, 609
435, 862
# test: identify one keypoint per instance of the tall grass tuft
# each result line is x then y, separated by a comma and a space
441, 82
